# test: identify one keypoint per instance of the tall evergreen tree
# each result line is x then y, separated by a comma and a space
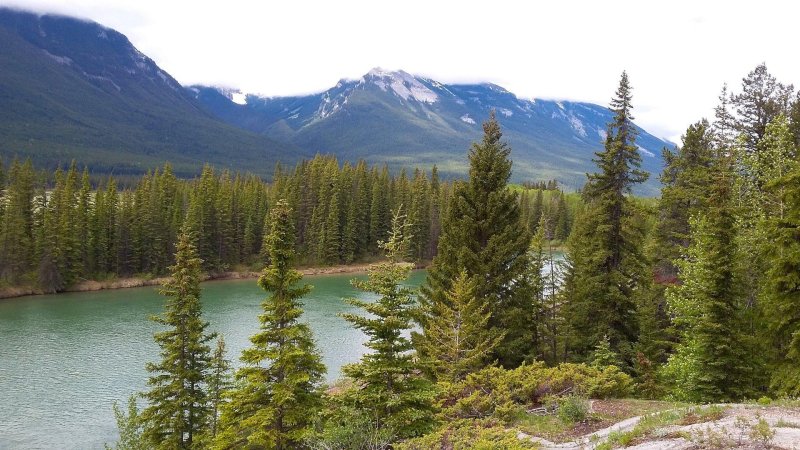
686, 177
177, 411
16, 229
277, 395
388, 379
762, 99
483, 234
712, 361
607, 268
782, 293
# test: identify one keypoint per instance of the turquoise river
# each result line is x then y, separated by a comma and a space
64, 359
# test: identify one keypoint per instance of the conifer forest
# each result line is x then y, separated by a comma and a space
535, 297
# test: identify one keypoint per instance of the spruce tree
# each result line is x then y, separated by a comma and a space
219, 383
16, 229
712, 362
277, 395
606, 266
762, 99
390, 386
483, 234
686, 177
178, 410
457, 340
782, 293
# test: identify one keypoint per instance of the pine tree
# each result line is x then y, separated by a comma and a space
782, 295
762, 99
332, 237
483, 234
435, 215
794, 119
389, 384
686, 176
201, 219
457, 341
16, 229
219, 383
82, 218
277, 396
178, 409
537, 280
606, 266
712, 362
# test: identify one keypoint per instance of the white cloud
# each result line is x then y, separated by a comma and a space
677, 54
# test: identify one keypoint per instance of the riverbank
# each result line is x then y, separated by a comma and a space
133, 282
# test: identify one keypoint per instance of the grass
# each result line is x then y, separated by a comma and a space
606, 413
785, 424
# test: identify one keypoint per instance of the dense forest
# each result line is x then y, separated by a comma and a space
693, 297
65, 227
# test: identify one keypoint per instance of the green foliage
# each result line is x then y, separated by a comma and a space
468, 435
764, 400
345, 427
483, 234
607, 269
686, 177
129, 426
711, 363
782, 298
219, 383
504, 394
388, 379
604, 356
178, 408
276, 398
457, 340
762, 433
57, 229
573, 408
16, 228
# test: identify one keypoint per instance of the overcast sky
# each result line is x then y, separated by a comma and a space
678, 53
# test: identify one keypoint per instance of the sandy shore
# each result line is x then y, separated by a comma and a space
123, 283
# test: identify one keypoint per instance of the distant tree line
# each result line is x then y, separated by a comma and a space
60, 228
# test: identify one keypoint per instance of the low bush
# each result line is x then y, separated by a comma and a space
486, 434
504, 394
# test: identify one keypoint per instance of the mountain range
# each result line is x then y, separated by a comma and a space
73, 89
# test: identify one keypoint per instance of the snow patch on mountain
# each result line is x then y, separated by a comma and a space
239, 98
505, 111
59, 59
402, 84
577, 125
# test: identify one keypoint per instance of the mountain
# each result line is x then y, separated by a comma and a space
408, 120
72, 89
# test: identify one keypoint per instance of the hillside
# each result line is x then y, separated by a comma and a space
72, 89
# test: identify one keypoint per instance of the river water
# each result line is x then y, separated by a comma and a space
64, 359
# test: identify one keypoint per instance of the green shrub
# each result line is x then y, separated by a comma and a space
344, 427
573, 409
505, 394
484, 434
764, 401
762, 433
